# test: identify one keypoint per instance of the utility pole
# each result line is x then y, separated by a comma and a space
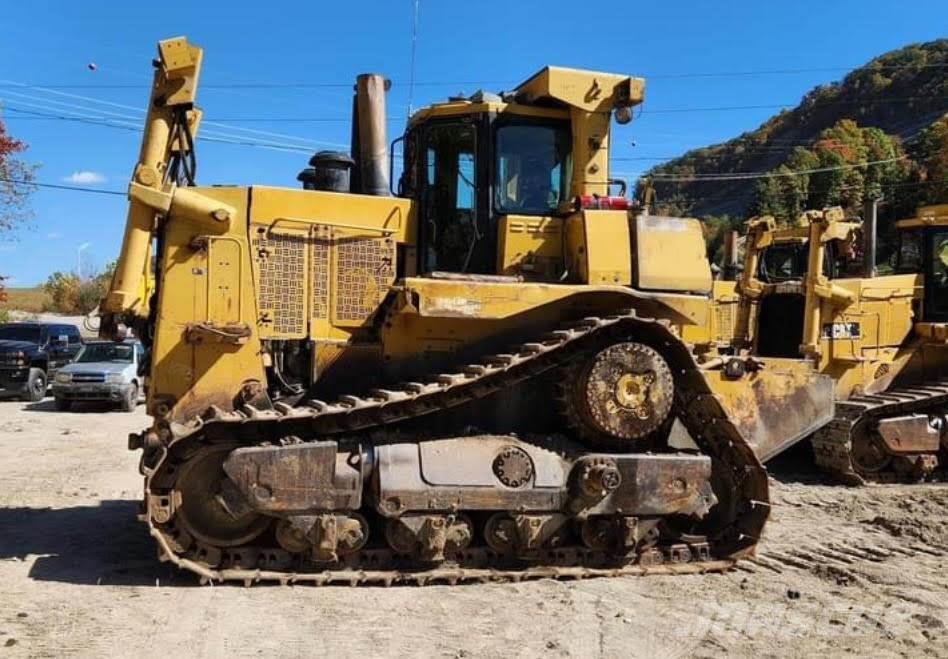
870, 232
79, 258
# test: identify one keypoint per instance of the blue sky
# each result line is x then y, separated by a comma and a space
461, 46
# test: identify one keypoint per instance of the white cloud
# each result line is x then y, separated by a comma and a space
54, 235
86, 177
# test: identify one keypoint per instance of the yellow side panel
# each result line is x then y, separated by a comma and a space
880, 316
189, 376
577, 266
670, 255
224, 265
608, 247
295, 207
530, 246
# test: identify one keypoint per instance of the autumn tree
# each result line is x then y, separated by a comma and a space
69, 293
932, 158
16, 177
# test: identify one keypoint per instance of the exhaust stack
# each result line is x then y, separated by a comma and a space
369, 141
730, 256
870, 231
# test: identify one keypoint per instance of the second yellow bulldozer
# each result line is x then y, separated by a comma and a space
478, 375
812, 290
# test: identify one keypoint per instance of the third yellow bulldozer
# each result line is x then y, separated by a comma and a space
499, 369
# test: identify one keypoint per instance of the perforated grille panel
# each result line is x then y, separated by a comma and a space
724, 319
282, 262
364, 270
319, 273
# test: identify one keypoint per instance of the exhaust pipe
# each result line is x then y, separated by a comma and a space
870, 225
369, 141
730, 256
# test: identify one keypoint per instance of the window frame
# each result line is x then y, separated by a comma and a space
929, 311
520, 120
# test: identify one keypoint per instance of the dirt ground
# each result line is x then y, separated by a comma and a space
841, 572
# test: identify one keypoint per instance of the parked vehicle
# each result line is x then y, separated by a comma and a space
31, 353
103, 371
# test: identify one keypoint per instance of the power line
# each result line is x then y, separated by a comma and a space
56, 186
207, 136
448, 83
140, 111
771, 106
821, 69
741, 176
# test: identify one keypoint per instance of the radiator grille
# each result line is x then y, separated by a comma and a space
85, 376
724, 319
319, 272
364, 271
282, 260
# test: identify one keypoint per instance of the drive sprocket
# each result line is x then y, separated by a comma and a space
617, 395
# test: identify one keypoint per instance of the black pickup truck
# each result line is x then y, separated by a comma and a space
30, 354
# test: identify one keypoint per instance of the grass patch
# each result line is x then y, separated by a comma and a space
31, 300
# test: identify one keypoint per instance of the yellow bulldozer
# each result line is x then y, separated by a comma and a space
812, 290
495, 368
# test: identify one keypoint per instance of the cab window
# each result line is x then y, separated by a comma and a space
936, 279
782, 263
533, 168
908, 258
72, 333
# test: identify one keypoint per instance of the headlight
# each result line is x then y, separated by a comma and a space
63, 378
114, 378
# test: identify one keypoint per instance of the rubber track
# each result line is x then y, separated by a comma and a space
832, 444
696, 405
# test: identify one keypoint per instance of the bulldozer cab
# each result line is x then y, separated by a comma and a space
469, 169
924, 245
473, 161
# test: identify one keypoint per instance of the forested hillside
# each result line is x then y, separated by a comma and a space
881, 130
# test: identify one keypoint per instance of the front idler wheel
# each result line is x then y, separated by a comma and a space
211, 509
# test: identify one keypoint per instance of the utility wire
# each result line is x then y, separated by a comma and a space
646, 111
140, 111
449, 83
56, 186
133, 126
742, 176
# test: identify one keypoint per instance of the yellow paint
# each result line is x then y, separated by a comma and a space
670, 255
608, 248
530, 247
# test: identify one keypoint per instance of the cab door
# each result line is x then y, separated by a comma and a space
453, 232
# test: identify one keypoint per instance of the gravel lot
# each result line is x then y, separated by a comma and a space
842, 572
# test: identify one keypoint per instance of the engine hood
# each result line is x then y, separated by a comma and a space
96, 367
9, 345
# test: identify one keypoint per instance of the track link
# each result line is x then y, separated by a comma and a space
833, 444
739, 517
